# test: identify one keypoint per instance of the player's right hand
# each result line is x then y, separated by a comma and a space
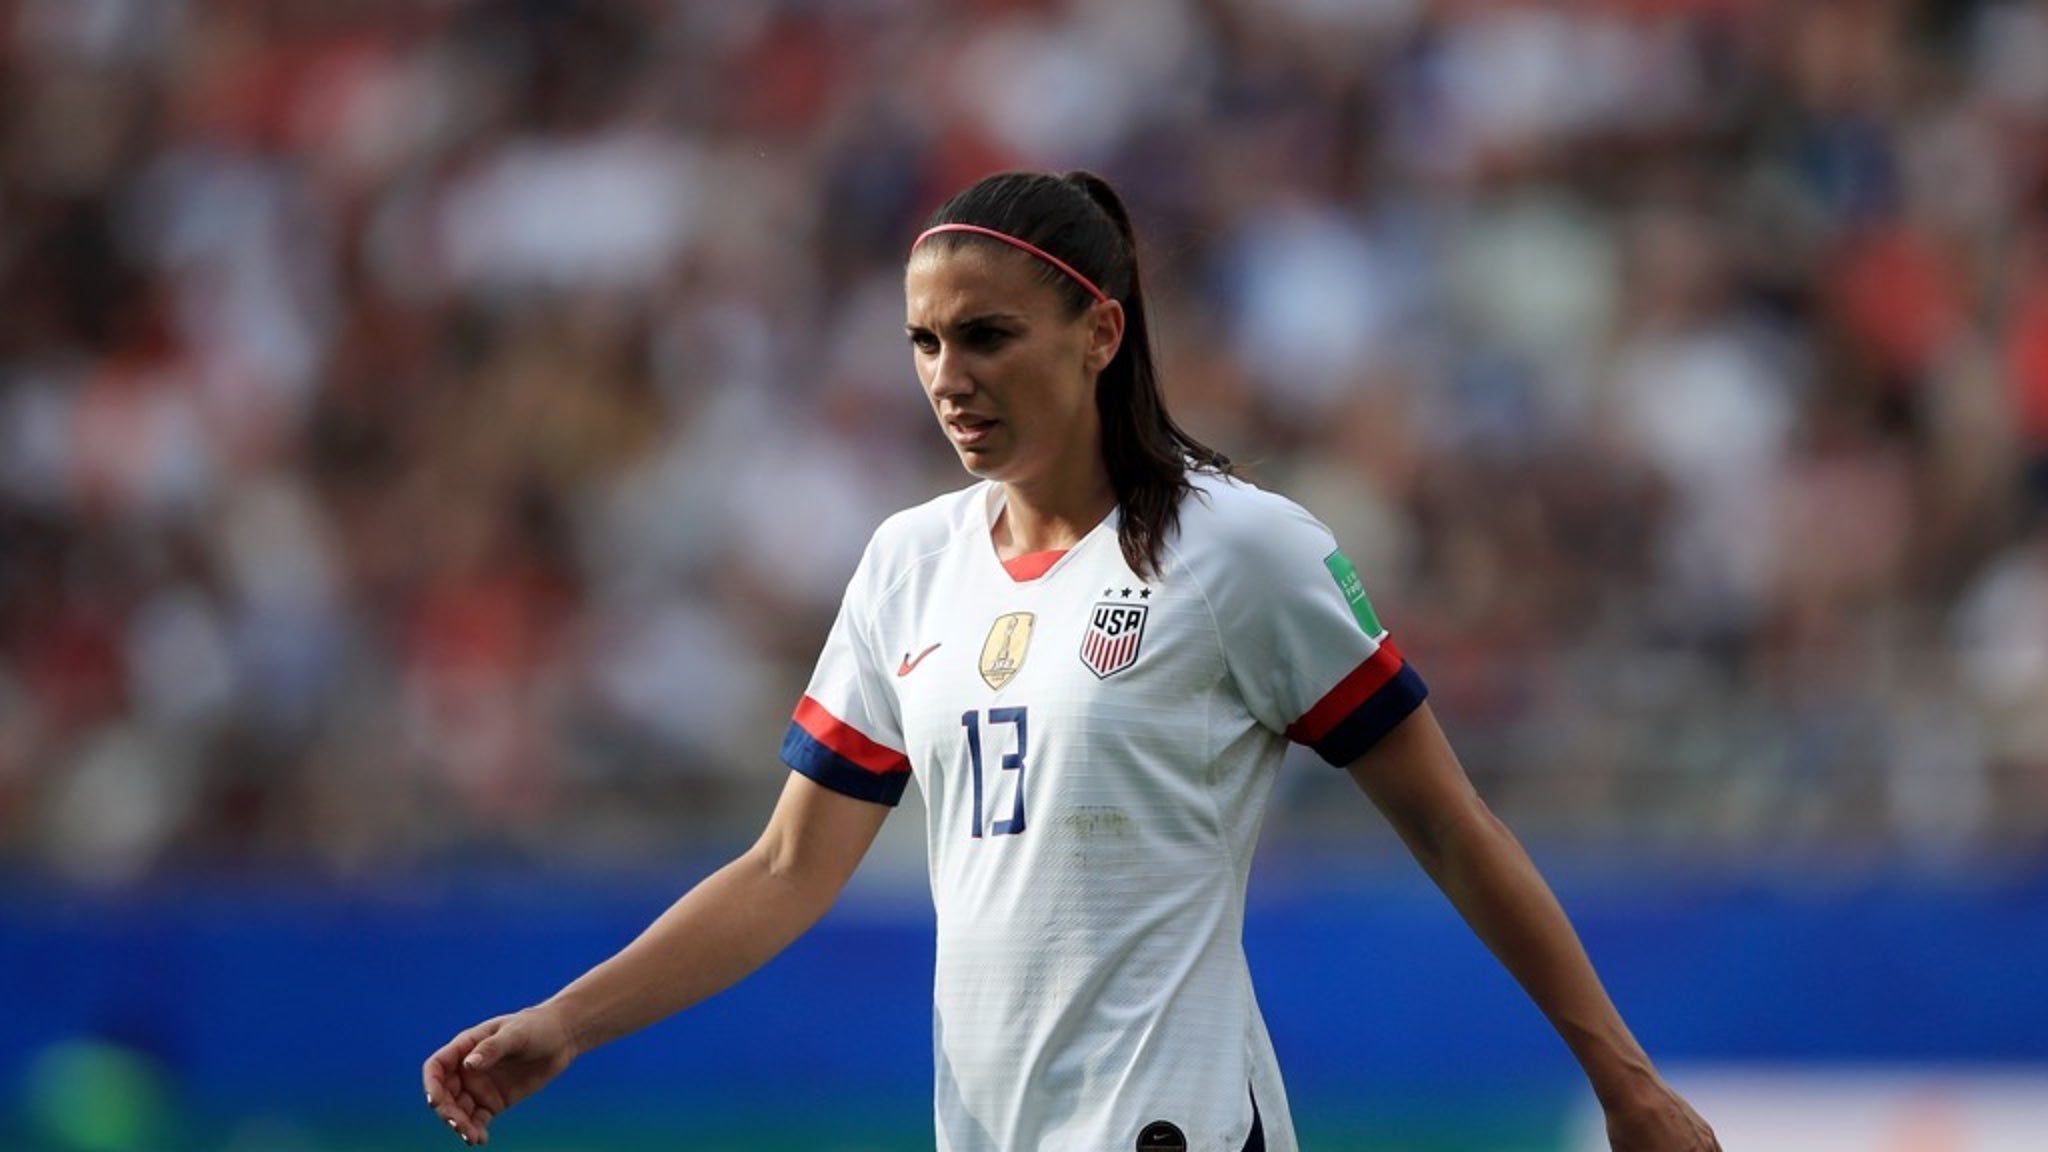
487, 1069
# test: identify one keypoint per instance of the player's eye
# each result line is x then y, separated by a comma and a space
924, 341
984, 337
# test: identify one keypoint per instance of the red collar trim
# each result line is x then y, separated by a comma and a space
1032, 565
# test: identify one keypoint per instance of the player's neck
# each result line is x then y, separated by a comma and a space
1031, 522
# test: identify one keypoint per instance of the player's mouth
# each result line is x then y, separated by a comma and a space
970, 431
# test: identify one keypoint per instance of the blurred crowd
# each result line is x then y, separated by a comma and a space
437, 432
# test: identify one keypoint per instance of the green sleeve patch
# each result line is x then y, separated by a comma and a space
1354, 593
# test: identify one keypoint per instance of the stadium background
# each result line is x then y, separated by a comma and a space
433, 436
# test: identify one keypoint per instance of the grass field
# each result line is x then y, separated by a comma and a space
797, 1125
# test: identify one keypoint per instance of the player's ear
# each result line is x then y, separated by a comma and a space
1105, 320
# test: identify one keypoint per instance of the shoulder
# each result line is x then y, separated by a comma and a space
1231, 516
915, 534
934, 523
1246, 547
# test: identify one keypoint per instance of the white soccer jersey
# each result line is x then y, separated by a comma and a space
1095, 752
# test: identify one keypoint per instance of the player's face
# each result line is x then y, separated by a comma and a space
1010, 371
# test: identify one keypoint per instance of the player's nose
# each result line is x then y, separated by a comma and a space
949, 377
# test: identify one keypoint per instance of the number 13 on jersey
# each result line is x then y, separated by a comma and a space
1012, 760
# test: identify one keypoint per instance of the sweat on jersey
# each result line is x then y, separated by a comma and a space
1095, 752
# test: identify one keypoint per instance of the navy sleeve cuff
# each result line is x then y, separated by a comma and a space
805, 754
1357, 733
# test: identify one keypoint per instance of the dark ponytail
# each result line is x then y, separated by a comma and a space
1081, 220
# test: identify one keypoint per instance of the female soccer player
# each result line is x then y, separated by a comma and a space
1092, 661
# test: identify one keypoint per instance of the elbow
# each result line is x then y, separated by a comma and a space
795, 874
1459, 833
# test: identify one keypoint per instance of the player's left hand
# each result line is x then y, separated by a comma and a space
1660, 1121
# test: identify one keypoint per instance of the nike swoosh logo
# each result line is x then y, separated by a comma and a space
908, 665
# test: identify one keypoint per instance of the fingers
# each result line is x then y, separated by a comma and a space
466, 1103
476, 1076
487, 1093
466, 1116
445, 1062
486, 1053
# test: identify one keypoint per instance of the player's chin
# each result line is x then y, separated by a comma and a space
983, 463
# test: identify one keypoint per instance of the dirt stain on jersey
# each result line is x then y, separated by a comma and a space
1102, 840
1099, 822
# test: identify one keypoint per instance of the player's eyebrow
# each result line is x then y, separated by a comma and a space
1007, 318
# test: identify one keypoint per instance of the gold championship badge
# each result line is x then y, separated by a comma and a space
1003, 652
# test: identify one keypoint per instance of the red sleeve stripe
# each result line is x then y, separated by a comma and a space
1340, 702
846, 742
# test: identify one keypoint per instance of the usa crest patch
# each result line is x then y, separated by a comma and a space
1110, 644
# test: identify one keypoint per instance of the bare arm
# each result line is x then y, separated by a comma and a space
1415, 780
730, 924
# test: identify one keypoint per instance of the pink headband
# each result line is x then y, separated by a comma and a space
1020, 245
